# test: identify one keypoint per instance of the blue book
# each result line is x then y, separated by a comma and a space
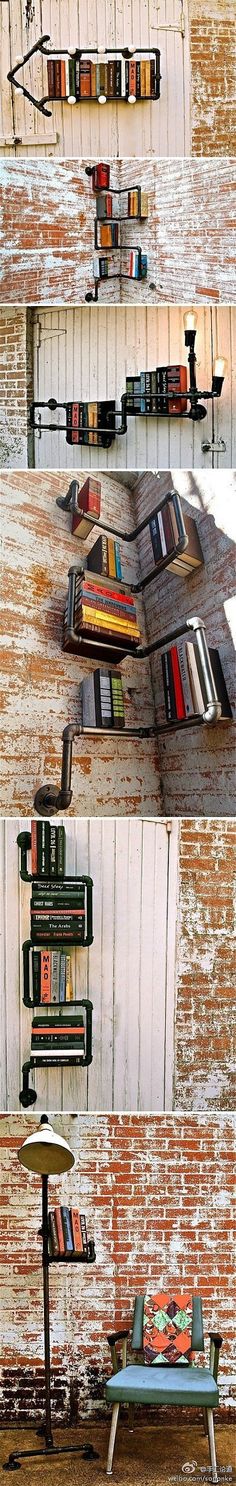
67, 1230
119, 573
144, 263
142, 392
62, 978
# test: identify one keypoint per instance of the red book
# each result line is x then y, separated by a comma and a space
109, 593
85, 78
75, 422
76, 1231
58, 78
178, 689
132, 78
34, 852
101, 177
59, 1228
177, 382
51, 79
45, 981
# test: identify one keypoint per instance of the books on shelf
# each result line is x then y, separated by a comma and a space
55, 1037
165, 529
58, 914
104, 609
48, 849
102, 700
156, 392
192, 557
91, 423
67, 1232
52, 981
79, 77
105, 557
184, 688
89, 500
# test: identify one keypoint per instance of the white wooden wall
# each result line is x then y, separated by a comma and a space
89, 129
128, 973
87, 353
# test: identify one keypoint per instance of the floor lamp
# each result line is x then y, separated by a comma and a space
47, 1154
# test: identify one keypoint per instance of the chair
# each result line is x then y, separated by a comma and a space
187, 1386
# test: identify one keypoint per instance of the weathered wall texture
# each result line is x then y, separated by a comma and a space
128, 972
157, 1192
13, 388
47, 232
205, 969
213, 58
197, 765
40, 690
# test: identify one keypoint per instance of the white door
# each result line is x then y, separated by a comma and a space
129, 972
86, 353
161, 128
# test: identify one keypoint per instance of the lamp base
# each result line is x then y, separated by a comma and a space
16, 1456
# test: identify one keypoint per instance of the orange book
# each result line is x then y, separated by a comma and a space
59, 1228
177, 382
143, 78
111, 558
45, 980
63, 80
34, 851
132, 78
76, 1231
148, 79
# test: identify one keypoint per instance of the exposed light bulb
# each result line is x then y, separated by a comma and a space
220, 366
190, 320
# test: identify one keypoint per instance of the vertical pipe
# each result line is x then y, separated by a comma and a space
48, 1431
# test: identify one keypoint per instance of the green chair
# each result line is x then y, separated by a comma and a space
186, 1385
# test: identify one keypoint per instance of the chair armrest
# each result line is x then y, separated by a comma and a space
216, 1342
113, 1341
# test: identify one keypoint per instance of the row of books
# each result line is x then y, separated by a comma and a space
78, 77
106, 611
48, 849
51, 977
87, 422
137, 266
137, 204
60, 914
166, 529
155, 392
102, 700
105, 557
109, 235
59, 1037
67, 1231
184, 683
89, 501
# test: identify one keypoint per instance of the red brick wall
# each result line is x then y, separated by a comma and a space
157, 1192
212, 54
205, 1020
13, 389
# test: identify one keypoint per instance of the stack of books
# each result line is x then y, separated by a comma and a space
83, 419
109, 235
184, 687
102, 700
105, 611
59, 1038
165, 529
77, 77
192, 557
137, 203
104, 205
67, 1231
105, 558
58, 914
51, 977
155, 392
137, 264
89, 500
48, 849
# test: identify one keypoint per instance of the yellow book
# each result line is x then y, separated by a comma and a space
108, 621
69, 986
92, 421
143, 204
111, 557
148, 79
142, 78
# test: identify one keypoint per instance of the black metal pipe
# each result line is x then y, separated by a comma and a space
46, 1327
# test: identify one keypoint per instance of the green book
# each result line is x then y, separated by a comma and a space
61, 851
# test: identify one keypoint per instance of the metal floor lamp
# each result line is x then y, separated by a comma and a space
47, 1154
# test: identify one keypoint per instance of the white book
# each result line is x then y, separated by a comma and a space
88, 702
55, 975
183, 665
162, 534
198, 700
123, 77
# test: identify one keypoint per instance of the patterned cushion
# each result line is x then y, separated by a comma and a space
167, 1328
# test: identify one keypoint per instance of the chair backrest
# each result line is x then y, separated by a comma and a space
197, 1339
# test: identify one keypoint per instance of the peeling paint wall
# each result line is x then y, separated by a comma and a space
213, 59
157, 1192
198, 765
205, 970
47, 232
13, 389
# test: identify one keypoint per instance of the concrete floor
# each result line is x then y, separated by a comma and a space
155, 1457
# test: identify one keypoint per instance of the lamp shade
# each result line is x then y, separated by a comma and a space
46, 1152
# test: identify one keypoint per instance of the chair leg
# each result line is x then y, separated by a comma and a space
210, 1425
131, 1418
111, 1446
204, 1415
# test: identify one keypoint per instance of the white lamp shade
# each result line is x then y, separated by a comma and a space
46, 1152
220, 366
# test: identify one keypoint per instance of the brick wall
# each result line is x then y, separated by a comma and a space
205, 970
212, 55
13, 389
157, 1192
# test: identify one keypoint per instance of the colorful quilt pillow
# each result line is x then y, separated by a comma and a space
167, 1328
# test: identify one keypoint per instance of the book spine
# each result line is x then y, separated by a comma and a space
62, 978
36, 976
61, 851
179, 696
84, 1232
166, 686
34, 848
45, 983
67, 1230
51, 78
118, 561
69, 986
55, 976
59, 1228
53, 1235
76, 1231
53, 851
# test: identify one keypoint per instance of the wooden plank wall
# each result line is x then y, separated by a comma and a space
96, 348
41, 689
47, 232
128, 973
90, 129
198, 766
